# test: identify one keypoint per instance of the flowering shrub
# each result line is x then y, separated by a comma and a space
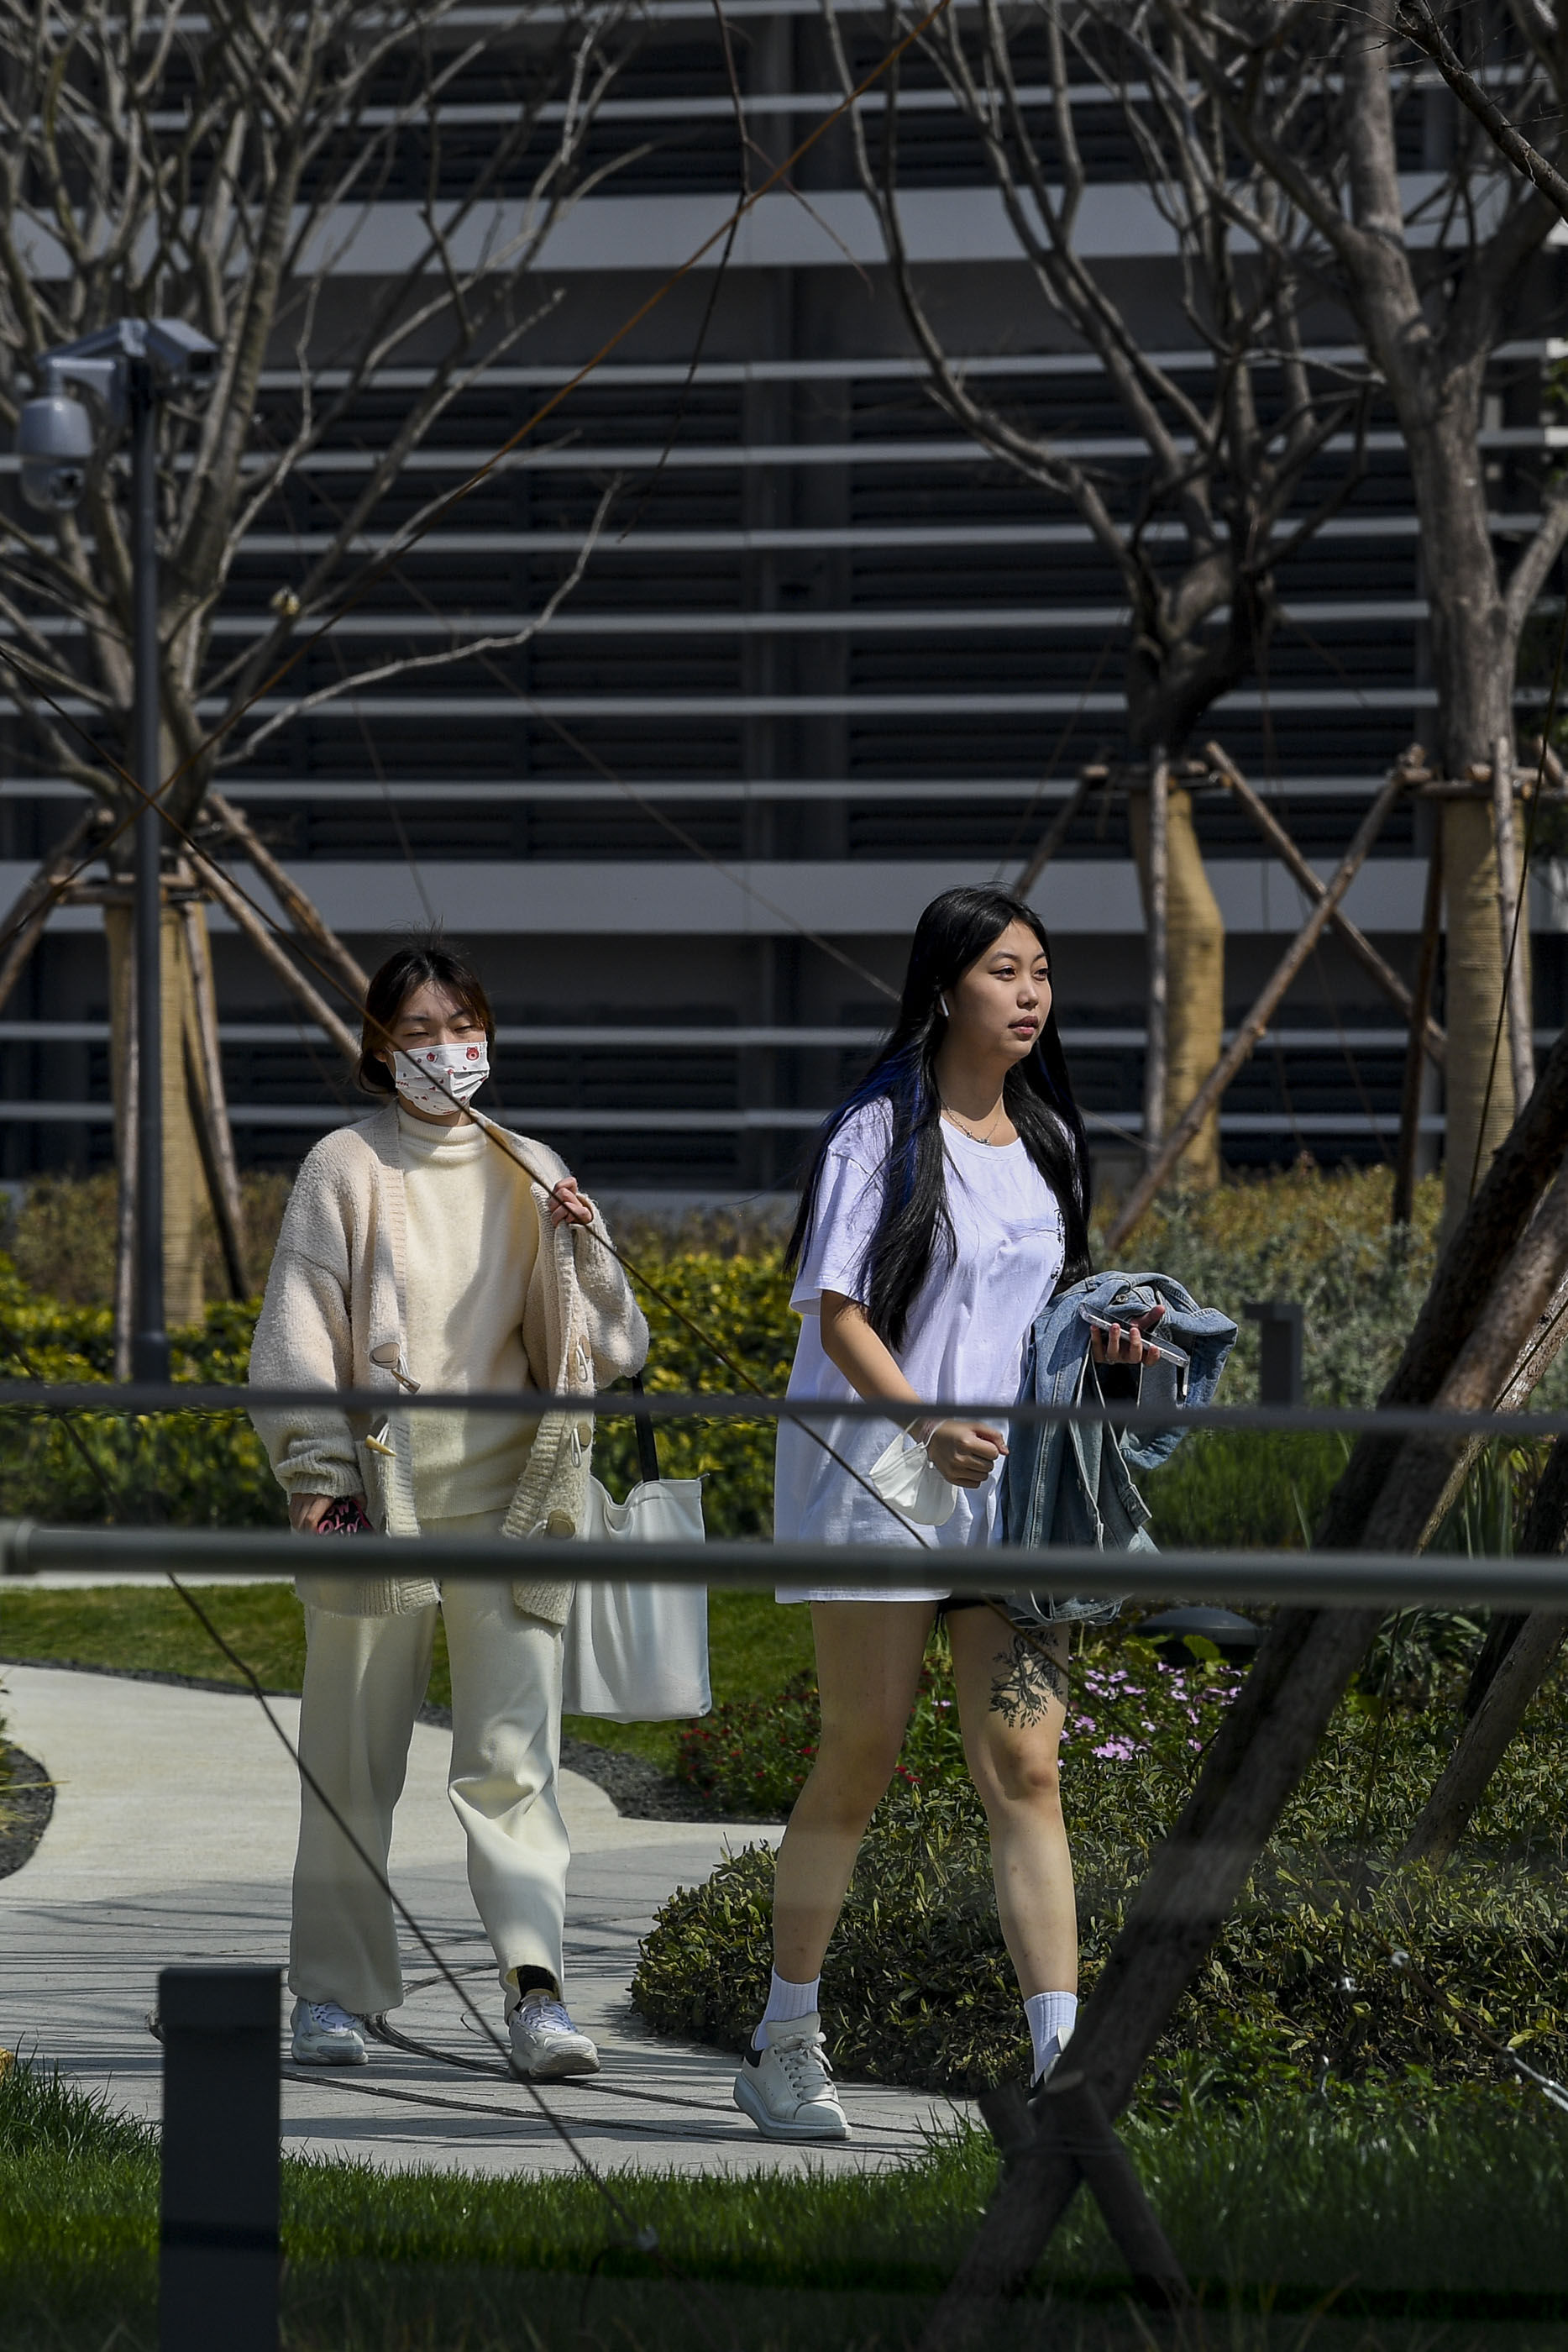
1126, 1704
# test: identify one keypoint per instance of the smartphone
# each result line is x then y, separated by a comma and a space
1163, 1352
344, 1518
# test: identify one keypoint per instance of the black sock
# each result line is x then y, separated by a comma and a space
534, 1980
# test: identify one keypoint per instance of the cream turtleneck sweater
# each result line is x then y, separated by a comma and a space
473, 1238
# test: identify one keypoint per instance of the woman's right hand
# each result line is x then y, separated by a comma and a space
305, 1512
964, 1452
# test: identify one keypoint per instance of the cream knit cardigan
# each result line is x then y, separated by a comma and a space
334, 1316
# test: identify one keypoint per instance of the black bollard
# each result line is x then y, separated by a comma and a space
1279, 1322
221, 2121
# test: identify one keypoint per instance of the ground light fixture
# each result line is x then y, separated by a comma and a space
125, 370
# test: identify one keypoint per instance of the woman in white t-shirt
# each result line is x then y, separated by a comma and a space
946, 1202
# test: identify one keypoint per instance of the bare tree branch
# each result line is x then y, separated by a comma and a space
214, 163
1228, 468
1415, 21
462, 649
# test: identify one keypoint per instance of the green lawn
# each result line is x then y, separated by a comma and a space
1391, 2211
754, 1645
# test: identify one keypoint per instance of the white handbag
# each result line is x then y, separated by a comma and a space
637, 1652
906, 1476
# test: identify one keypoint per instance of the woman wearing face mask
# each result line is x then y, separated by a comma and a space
426, 1249
945, 1202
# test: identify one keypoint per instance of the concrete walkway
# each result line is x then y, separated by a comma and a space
172, 1840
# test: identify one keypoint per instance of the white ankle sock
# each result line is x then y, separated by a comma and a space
786, 2001
1051, 2018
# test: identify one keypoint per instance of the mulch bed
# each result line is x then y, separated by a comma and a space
27, 1801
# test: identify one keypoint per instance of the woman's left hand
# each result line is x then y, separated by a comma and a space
569, 1206
1127, 1342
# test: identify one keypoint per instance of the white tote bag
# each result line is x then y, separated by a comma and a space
637, 1652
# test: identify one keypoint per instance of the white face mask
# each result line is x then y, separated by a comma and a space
435, 1077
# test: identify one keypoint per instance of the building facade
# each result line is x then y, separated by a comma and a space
826, 658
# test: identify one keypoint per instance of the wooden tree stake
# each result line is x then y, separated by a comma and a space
1055, 833
1256, 1021
209, 1102
275, 957
1403, 1205
305, 918
1513, 921
1156, 933
1434, 1043
30, 910
1525, 1665
1066, 2120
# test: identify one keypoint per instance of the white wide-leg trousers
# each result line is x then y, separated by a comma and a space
365, 1680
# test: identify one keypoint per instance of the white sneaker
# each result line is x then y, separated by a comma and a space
787, 2088
546, 2042
1052, 2060
327, 2035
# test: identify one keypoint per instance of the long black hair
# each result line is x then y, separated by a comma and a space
952, 934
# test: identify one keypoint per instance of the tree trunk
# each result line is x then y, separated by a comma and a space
184, 1183
1479, 1080
1474, 653
1194, 999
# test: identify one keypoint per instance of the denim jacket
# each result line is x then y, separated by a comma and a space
1072, 1484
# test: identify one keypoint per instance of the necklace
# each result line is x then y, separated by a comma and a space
965, 1129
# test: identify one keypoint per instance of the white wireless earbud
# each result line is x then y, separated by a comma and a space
946, 1014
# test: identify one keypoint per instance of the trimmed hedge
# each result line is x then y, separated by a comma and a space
211, 1470
206, 1469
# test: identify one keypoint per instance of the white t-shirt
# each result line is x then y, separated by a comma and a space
965, 1340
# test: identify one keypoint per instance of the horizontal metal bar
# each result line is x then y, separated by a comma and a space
957, 448
175, 1396
727, 708
738, 794
761, 539
1326, 1579
778, 1119
1195, 357
864, 620
552, 1036
449, 114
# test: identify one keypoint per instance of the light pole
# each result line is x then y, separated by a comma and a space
128, 369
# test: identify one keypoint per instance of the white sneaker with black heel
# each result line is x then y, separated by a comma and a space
786, 2087
328, 2035
545, 2043
1051, 2059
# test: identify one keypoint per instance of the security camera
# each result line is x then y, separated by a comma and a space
182, 355
56, 439
55, 443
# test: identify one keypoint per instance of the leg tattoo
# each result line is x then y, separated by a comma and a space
1026, 1683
